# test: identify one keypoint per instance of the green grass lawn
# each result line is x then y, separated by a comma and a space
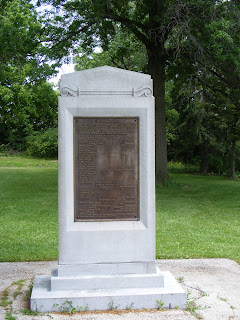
28, 209
197, 216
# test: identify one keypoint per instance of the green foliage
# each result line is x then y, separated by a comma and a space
206, 94
30, 290
196, 41
68, 307
15, 294
43, 144
27, 102
192, 307
179, 167
129, 307
180, 279
160, 304
19, 30
29, 108
161, 31
19, 283
124, 51
4, 300
29, 312
172, 120
9, 316
112, 306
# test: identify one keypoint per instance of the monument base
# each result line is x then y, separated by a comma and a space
106, 292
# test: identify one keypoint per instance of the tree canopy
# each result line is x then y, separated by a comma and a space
168, 30
27, 102
191, 49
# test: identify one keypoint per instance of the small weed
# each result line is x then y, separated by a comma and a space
130, 306
192, 306
19, 283
30, 289
111, 306
16, 293
5, 293
180, 279
9, 316
222, 299
203, 294
68, 307
225, 300
29, 312
7, 304
160, 304
4, 299
4, 302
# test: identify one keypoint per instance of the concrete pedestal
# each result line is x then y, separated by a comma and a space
106, 290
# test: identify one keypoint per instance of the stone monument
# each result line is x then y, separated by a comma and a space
106, 198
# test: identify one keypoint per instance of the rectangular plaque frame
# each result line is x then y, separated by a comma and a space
106, 168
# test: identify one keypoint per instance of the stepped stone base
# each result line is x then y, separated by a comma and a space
124, 291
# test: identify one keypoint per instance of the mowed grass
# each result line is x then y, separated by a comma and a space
28, 209
198, 217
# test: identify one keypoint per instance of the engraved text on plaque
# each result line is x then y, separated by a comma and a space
106, 152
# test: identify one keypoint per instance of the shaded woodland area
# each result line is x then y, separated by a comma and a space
191, 49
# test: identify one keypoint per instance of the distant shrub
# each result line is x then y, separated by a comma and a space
7, 150
43, 144
4, 149
179, 167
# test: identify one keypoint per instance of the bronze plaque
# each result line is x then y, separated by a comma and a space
106, 168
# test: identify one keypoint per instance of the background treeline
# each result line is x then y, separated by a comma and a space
191, 49
28, 103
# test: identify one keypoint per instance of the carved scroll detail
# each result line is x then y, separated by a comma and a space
75, 92
143, 92
69, 92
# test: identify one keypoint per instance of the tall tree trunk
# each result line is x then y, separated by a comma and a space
233, 148
156, 68
233, 161
204, 157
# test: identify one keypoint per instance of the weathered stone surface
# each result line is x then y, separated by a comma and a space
106, 197
107, 92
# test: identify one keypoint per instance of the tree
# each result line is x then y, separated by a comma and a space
216, 73
124, 51
201, 131
224, 74
158, 25
19, 31
25, 108
166, 28
27, 102
207, 91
